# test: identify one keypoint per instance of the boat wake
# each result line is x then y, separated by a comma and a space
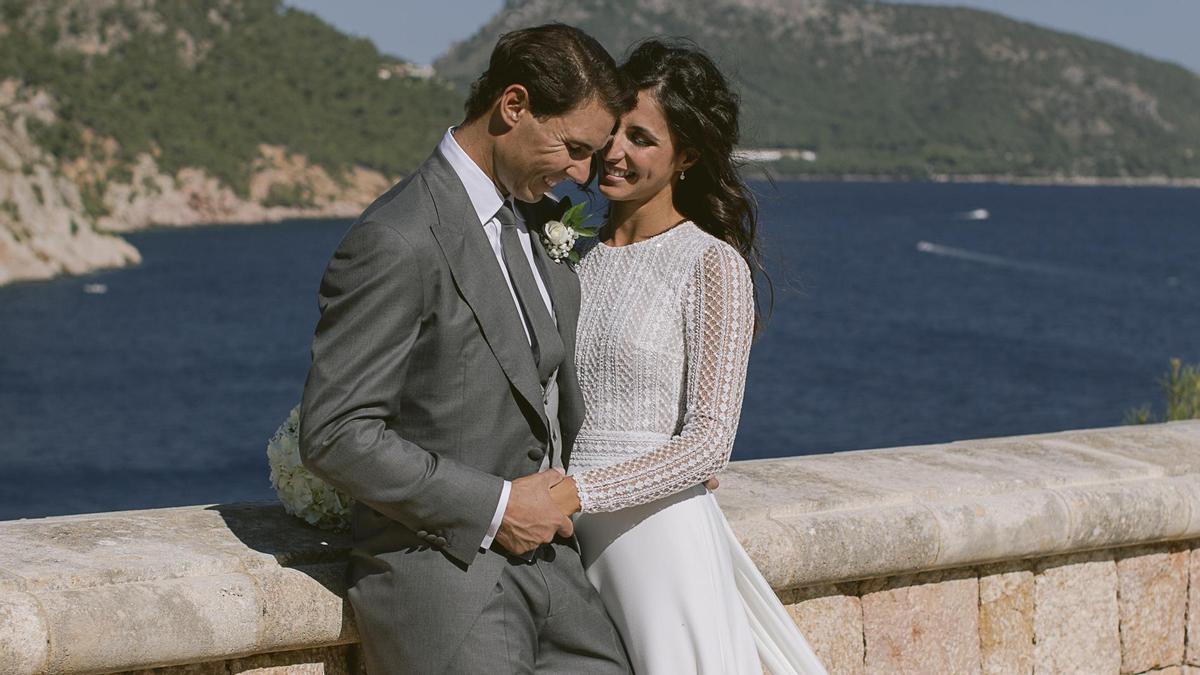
989, 259
975, 214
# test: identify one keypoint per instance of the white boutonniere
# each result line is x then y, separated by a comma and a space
559, 236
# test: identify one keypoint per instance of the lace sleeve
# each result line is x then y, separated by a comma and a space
718, 327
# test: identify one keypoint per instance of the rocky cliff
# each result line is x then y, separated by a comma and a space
47, 228
44, 228
117, 115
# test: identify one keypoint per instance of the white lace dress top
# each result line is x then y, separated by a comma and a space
662, 346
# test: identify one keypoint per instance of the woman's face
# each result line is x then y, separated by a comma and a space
641, 160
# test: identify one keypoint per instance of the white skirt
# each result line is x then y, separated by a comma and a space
683, 593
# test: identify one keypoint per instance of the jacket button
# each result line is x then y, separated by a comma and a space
431, 538
422, 534
536, 454
441, 541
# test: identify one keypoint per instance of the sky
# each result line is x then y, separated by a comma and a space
422, 30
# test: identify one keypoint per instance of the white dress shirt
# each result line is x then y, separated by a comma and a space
486, 200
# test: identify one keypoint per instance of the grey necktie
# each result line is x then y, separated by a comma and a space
546, 343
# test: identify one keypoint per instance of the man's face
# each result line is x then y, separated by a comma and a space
537, 154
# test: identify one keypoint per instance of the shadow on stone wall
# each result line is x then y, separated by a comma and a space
265, 527
296, 547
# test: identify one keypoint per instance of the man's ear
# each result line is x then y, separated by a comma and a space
513, 104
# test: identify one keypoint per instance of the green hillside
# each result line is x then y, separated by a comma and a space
913, 90
871, 88
202, 84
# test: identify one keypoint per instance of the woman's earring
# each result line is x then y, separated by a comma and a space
681, 176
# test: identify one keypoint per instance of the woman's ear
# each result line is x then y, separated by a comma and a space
687, 158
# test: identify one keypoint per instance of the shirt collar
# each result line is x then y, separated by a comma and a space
482, 192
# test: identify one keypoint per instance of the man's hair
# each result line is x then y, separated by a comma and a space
561, 66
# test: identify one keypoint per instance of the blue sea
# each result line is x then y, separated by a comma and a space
903, 314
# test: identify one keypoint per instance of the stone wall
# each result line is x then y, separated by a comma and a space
1113, 611
1069, 552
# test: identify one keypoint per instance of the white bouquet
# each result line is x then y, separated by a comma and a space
304, 495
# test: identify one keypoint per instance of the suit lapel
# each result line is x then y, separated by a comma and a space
563, 285
561, 282
478, 278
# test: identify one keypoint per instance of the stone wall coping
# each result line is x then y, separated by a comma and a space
200, 583
872, 513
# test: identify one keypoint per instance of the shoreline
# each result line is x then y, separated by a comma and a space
340, 210
272, 216
997, 179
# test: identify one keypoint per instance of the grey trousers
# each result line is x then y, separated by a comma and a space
543, 617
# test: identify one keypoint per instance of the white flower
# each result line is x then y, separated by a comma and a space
302, 494
559, 234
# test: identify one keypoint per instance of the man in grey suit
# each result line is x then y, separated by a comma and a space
442, 394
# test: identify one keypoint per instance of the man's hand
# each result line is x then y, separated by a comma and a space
532, 517
566, 496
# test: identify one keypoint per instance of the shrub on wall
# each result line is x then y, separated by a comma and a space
1181, 385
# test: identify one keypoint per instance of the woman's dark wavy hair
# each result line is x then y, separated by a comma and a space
702, 114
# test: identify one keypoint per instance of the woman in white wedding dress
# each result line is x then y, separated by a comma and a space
664, 336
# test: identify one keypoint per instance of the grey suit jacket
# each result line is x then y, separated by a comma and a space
422, 398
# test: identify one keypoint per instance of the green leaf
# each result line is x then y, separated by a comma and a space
573, 256
585, 231
574, 215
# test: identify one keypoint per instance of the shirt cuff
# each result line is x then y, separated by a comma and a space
498, 517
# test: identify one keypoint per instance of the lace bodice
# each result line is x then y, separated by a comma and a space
662, 345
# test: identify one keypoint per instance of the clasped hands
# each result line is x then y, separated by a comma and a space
539, 507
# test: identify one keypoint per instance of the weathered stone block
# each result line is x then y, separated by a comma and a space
23, 643
832, 621
1000, 527
1076, 615
207, 668
770, 545
305, 607
859, 544
922, 624
1119, 514
1152, 596
1161, 445
1006, 593
327, 661
175, 621
320, 661
1193, 617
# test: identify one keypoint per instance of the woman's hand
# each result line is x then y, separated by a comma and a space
566, 495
